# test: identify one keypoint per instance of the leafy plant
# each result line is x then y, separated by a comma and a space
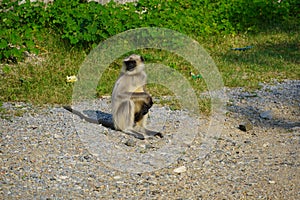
20, 28
86, 24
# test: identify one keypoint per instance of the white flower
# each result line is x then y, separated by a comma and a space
71, 79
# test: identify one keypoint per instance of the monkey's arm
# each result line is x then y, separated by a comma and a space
142, 97
138, 95
135, 96
105, 123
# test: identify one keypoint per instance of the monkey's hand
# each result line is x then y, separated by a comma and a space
147, 105
145, 109
149, 102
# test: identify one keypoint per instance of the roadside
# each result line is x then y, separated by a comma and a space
43, 157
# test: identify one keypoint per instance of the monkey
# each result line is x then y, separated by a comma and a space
130, 101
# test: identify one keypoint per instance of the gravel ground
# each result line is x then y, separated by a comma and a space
48, 153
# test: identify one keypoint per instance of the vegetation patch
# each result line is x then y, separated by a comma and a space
43, 44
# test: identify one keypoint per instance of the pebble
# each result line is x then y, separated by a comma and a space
130, 143
180, 169
272, 182
267, 144
62, 166
63, 177
246, 126
266, 115
117, 177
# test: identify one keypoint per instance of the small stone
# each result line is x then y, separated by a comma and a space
296, 129
117, 177
63, 177
98, 185
149, 146
266, 115
32, 127
180, 169
207, 163
130, 143
266, 144
57, 136
272, 182
249, 193
18, 105
246, 126
34, 175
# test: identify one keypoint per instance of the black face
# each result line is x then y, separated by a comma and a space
130, 65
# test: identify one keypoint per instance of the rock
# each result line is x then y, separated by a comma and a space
130, 143
57, 136
296, 129
266, 115
267, 144
272, 182
149, 146
117, 177
180, 169
246, 126
63, 177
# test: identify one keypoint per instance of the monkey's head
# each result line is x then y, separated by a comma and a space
133, 64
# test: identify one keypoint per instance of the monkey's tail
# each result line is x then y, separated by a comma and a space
105, 123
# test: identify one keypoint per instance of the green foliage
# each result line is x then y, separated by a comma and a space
63, 32
89, 23
254, 15
86, 24
20, 28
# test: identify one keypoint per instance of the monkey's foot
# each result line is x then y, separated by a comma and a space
154, 133
159, 134
135, 134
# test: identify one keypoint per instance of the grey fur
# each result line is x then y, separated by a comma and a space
130, 100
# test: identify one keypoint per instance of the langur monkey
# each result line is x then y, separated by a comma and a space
130, 101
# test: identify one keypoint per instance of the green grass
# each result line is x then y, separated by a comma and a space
42, 80
275, 55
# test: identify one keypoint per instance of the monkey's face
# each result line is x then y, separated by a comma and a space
130, 65
133, 63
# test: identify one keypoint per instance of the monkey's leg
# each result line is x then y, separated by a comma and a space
142, 106
141, 126
121, 116
140, 109
124, 120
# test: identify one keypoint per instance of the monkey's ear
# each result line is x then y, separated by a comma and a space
142, 59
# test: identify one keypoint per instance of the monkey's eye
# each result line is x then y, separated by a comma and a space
130, 65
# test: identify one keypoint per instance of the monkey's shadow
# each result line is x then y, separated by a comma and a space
98, 115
